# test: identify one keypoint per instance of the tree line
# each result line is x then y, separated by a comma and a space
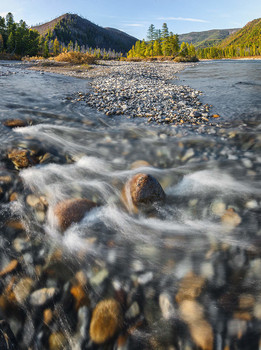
231, 51
161, 42
19, 39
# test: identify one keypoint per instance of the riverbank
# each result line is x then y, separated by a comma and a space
138, 89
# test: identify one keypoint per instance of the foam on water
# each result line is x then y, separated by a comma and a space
206, 181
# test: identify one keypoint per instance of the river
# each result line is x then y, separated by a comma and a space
186, 274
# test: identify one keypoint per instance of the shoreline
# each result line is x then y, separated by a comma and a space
257, 58
138, 89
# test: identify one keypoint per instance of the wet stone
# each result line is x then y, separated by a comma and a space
230, 219
42, 296
72, 211
23, 289
22, 158
15, 123
166, 306
9, 268
133, 311
190, 287
57, 341
142, 190
106, 321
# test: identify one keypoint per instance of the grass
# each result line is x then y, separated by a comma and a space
76, 58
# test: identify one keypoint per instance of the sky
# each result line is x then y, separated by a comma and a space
135, 16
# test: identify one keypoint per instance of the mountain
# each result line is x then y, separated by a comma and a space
71, 27
207, 38
250, 34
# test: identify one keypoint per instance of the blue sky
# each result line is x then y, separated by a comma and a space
134, 17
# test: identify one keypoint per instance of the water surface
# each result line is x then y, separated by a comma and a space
233, 87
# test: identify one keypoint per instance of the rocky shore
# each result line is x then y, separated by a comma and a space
140, 89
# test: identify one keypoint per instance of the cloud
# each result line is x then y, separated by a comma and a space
182, 19
134, 25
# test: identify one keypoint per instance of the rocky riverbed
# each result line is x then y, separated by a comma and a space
140, 89
147, 90
129, 236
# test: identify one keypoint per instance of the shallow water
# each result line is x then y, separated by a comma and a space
143, 260
233, 87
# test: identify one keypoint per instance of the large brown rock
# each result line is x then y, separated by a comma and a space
106, 321
142, 190
72, 211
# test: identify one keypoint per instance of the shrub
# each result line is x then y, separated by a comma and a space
134, 59
33, 58
76, 58
186, 59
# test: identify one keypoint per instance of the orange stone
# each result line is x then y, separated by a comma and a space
106, 321
80, 296
190, 287
9, 268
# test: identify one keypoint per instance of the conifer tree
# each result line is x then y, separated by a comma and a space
142, 48
164, 31
138, 49
46, 49
156, 48
183, 49
151, 35
56, 47
11, 43
1, 43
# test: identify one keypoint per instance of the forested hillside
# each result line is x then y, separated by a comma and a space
250, 34
206, 38
245, 42
71, 28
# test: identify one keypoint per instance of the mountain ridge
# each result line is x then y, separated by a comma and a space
73, 28
248, 35
207, 38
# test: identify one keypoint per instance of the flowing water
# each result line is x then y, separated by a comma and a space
233, 87
187, 274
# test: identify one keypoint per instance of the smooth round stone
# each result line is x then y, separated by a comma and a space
33, 201
166, 306
23, 289
142, 190
72, 211
218, 208
230, 219
191, 311
57, 341
106, 321
133, 311
42, 296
